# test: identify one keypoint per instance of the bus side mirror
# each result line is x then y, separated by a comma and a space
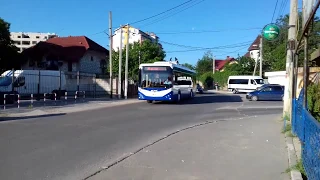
20, 81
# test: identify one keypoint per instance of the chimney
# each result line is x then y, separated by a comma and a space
228, 57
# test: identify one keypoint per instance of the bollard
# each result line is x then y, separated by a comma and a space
4, 101
18, 100
55, 96
66, 96
44, 97
84, 94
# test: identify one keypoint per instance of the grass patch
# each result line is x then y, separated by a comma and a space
298, 167
289, 134
286, 129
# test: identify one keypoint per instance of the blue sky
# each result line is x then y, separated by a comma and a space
237, 22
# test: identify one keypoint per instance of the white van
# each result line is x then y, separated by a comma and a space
26, 82
244, 83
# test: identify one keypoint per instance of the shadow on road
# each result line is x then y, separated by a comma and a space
207, 98
2, 119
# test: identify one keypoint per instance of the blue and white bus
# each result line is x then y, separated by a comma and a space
165, 81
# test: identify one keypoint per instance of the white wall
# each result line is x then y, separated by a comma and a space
276, 77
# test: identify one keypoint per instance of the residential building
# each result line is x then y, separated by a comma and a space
135, 35
220, 64
69, 54
24, 40
254, 49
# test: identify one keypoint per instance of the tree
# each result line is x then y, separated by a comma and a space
243, 66
9, 56
149, 52
204, 64
190, 66
274, 53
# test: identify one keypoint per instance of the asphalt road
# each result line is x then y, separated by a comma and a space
74, 146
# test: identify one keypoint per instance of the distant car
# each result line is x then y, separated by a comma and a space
199, 89
268, 92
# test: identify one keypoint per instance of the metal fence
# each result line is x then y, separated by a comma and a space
307, 128
39, 83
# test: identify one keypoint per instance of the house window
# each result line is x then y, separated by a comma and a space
25, 42
69, 66
34, 42
37, 37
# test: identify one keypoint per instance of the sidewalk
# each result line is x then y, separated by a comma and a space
241, 149
62, 107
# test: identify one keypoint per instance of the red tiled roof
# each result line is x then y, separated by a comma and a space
255, 45
66, 48
77, 41
247, 54
219, 64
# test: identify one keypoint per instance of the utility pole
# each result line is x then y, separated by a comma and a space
213, 64
110, 53
120, 66
261, 56
126, 67
287, 104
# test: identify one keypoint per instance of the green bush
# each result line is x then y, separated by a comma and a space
222, 77
314, 100
207, 79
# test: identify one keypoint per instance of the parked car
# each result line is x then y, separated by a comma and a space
199, 89
268, 92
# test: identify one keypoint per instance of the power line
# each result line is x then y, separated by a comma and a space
217, 47
170, 15
162, 12
209, 31
192, 47
274, 11
180, 5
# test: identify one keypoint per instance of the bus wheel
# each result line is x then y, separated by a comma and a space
149, 101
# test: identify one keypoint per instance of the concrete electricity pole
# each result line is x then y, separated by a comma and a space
120, 66
110, 53
126, 67
213, 64
287, 104
261, 56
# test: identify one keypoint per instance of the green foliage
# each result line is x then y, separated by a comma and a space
222, 77
274, 53
207, 79
314, 100
149, 52
244, 66
190, 66
9, 56
204, 64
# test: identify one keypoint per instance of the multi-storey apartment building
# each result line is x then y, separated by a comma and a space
24, 40
135, 35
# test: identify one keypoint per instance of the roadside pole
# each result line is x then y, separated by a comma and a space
287, 100
110, 54
213, 65
261, 56
120, 66
126, 66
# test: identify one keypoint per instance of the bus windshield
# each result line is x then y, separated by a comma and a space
155, 76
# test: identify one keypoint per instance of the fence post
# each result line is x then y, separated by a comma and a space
18, 100
39, 77
12, 87
4, 101
78, 80
55, 98
31, 100
75, 96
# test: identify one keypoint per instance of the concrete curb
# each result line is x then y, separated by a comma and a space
69, 110
294, 174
